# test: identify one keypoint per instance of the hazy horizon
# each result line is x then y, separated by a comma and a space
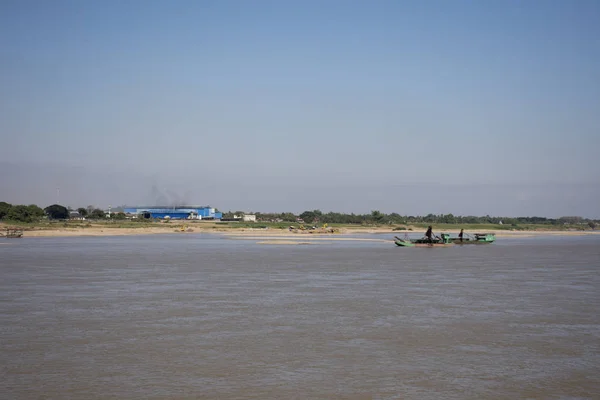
79, 188
458, 107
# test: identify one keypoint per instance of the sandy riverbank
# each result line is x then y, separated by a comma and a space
262, 233
266, 237
497, 232
387, 231
288, 242
70, 232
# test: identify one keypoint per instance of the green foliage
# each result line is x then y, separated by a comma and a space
4, 209
56, 211
571, 220
377, 216
36, 212
19, 213
308, 216
312, 216
24, 214
288, 217
97, 214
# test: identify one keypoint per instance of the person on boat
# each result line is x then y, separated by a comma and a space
429, 234
460, 235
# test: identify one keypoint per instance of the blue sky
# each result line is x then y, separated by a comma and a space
275, 106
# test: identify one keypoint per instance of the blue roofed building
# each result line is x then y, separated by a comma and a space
179, 212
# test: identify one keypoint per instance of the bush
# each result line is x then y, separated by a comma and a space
119, 216
56, 211
97, 214
4, 208
19, 213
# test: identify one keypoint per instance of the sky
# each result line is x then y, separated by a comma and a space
415, 107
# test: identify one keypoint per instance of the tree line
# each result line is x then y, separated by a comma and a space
377, 217
32, 212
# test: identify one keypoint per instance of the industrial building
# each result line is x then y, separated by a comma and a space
180, 212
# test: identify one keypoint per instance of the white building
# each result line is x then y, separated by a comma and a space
249, 218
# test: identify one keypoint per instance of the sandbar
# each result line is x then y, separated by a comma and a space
261, 233
292, 242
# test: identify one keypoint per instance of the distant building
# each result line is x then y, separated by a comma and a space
249, 218
181, 212
235, 218
75, 215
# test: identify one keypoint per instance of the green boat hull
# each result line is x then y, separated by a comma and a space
403, 243
442, 241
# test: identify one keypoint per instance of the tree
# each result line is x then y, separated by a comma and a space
4, 208
82, 211
377, 216
308, 216
19, 213
35, 211
592, 224
448, 219
288, 217
97, 214
397, 218
56, 211
118, 215
430, 218
570, 220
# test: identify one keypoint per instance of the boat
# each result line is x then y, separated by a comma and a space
476, 238
442, 241
13, 233
445, 240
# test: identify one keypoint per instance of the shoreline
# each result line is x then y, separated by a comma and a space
98, 231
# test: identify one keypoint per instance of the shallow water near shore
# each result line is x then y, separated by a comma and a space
206, 316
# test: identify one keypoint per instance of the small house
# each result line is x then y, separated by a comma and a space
76, 216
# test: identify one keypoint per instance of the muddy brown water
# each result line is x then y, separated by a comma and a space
200, 316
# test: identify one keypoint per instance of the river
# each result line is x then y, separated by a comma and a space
203, 316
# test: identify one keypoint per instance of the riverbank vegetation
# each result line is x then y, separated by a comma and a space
448, 220
58, 215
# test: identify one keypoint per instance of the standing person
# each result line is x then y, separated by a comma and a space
460, 235
429, 234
